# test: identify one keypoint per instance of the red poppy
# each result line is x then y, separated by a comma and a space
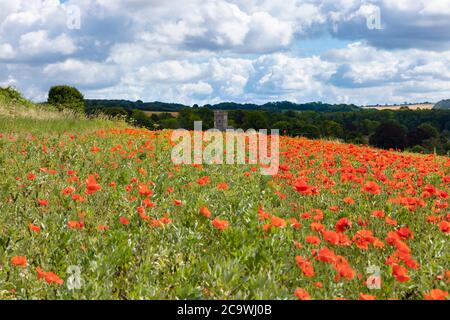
43, 202
445, 226
204, 211
102, 227
371, 187
363, 296
19, 261
305, 265
220, 224
34, 228
400, 273
123, 220
277, 222
75, 224
302, 294
343, 224
91, 185
436, 294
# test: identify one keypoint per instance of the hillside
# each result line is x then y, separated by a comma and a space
174, 107
19, 114
90, 212
443, 104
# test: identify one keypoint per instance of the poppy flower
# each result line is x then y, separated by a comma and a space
302, 294
34, 228
343, 224
43, 202
315, 226
445, 226
19, 261
204, 211
102, 227
313, 240
436, 294
203, 180
177, 202
349, 200
49, 277
31, 176
305, 265
371, 187
378, 214
277, 222
363, 296
68, 190
91, 185
400, 273
222, 186
123, 220
220, 224
141, 212
144, 190
331, 236
75, 224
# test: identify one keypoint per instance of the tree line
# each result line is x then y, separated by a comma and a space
424, 131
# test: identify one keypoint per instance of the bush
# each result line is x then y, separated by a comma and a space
389, 135
12, 95
65, 97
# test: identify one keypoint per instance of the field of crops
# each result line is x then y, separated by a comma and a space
104, 214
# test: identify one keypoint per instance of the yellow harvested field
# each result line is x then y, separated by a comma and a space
418, 106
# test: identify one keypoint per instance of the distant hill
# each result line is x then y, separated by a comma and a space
174, 107
443, 104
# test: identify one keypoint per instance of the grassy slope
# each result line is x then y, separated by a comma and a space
20, 115
188, 258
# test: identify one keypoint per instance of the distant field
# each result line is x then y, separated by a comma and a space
149, 113
398, 106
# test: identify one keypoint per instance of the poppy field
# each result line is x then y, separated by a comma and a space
105, 214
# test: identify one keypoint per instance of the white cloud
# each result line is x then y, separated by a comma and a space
6, 51
38, 43
200, 89
85, 74
193, 51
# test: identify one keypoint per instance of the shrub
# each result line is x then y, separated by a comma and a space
12, 95
65, 97
389, 135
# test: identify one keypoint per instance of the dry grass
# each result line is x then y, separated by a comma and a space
419, 106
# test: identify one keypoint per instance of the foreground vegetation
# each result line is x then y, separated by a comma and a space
100, 212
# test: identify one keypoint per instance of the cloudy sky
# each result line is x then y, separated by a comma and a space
206, 51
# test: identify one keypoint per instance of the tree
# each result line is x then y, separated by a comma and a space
141, 119
389, 135
284, 127
416, 136
332, 129
255, 120
65, 97
429, 129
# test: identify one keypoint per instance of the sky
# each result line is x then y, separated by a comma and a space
209, 51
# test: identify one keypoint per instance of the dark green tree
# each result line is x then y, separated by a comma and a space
66, 97
389, 135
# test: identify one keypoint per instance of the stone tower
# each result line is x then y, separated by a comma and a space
220, 120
